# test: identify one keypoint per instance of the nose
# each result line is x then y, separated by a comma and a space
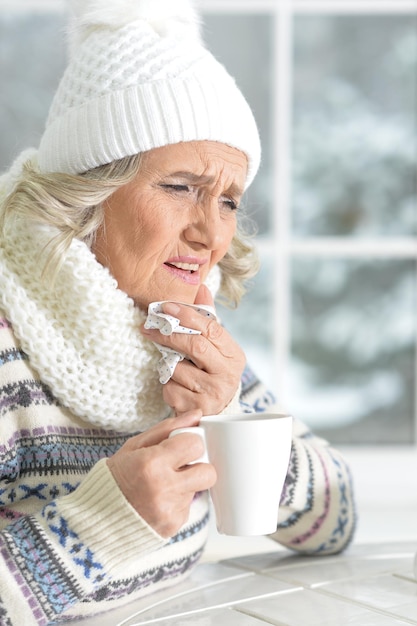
205, 227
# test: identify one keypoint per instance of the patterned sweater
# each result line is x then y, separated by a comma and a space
70, 543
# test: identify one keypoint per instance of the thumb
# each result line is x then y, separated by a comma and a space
204, 296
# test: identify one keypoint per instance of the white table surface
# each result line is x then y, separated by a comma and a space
368, 585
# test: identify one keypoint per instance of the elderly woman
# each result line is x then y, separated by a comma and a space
132, 198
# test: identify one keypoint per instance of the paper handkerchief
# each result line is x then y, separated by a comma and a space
168, 324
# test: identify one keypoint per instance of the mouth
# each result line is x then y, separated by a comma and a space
190, 268
186, 270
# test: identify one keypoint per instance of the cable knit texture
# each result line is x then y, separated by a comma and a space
139, 77
103, 371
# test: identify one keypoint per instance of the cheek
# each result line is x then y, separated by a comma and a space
227, 238
228, 234
150, 239
138, 230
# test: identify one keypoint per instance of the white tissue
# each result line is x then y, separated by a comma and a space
168, 324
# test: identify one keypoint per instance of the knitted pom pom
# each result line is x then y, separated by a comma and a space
166, 17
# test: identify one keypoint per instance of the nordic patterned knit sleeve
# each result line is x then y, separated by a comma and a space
71, 547
317, 512
70, 543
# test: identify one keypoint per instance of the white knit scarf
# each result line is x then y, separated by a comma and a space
82, 334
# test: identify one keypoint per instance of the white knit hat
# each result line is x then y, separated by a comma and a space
139, 77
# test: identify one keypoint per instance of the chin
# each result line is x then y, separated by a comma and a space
141, 305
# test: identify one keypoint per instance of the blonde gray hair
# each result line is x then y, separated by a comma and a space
74, 206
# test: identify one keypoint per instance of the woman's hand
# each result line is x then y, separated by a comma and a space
153, 473
210, 378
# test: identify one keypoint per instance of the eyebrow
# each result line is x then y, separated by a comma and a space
197, 179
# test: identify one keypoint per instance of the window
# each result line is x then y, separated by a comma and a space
336, 207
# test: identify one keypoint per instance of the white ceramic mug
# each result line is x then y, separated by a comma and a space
250, 452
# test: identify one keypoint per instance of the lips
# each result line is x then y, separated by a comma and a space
186, 268
186, 263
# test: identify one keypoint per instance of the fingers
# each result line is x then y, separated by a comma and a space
207, 350
188, 376
183, 449
158, 433
210, 375
192, 388
158, 481
167, 502
204, 296
213, 351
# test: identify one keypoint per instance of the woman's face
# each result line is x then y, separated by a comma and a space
164, 231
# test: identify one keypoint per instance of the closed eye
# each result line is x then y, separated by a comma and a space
173, 187
228, 202
231, 204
